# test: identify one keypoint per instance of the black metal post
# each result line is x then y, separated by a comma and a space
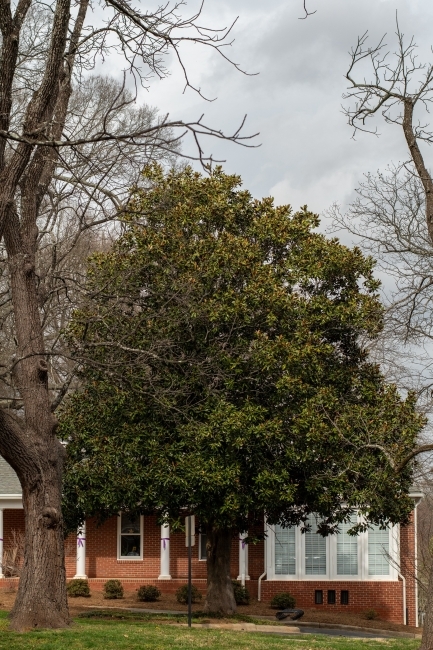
189, 572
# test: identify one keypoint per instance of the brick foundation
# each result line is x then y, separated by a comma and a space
385, 597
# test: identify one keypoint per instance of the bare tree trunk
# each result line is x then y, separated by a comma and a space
418, 161
41, 600
427, 633
220, 597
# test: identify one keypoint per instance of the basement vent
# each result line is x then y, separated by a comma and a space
331, 597
318, 597
344, 597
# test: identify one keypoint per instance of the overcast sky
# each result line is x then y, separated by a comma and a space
307, 154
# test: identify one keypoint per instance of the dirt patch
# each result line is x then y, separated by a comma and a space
169, 602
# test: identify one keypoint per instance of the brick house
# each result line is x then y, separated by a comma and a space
376, 570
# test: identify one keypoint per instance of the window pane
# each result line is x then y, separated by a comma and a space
130, 545
315, 550
285, 551
130, 524
203, 540
378, 549
347, 550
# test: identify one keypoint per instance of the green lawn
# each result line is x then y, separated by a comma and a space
88, 634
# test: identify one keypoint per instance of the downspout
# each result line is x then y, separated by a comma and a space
259, 586
265, 547
403, 579
417, 495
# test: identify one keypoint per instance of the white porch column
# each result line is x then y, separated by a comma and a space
243, 559
1, 543
81, 552
165, 553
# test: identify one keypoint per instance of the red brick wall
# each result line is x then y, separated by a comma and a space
384, 597
13, 520
256, 555
179, 558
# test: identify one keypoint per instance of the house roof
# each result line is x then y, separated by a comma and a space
9, 483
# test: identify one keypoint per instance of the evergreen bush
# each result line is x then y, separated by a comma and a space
283, 601
78, 588
148, 593
242, 595
182, 594
113, 589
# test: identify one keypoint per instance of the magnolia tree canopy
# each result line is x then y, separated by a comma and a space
223, 372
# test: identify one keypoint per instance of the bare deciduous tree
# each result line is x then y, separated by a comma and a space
396, 88
54, 151
394, 211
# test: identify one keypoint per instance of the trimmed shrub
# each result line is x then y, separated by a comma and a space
182, 594
78, 588
113, 589
242, 595
148, 593
371, 614
283, 601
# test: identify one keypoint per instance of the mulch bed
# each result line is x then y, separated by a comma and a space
169, 602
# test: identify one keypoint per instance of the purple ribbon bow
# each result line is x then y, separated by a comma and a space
80, 541
242, 539
164, 540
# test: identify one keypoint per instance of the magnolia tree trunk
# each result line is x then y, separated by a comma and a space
220, 597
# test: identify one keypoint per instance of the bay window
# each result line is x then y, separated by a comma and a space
294, 555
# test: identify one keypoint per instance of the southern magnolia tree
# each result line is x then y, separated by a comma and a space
53, 142
223, 374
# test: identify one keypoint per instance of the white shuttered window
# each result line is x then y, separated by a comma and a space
315, 550
347, 550
285, 551
378, 550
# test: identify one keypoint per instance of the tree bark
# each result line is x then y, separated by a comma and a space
41, 600
220, 597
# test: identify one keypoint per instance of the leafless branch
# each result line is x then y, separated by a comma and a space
307, 13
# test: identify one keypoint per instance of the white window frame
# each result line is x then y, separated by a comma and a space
331, 559
131, 558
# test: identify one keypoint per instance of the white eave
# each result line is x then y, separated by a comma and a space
417, 495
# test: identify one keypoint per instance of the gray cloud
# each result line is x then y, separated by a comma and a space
306, 153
